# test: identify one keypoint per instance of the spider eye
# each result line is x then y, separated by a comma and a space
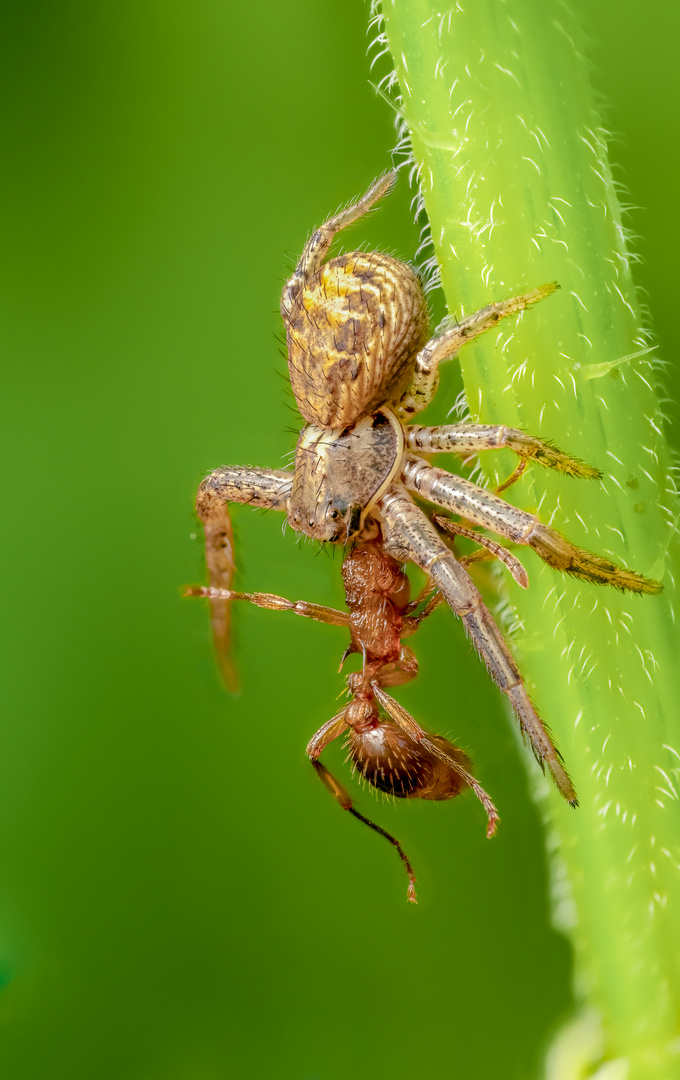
334, 514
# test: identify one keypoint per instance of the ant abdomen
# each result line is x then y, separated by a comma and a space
392, 762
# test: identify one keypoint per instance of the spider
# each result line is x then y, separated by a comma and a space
361, 366
386, 744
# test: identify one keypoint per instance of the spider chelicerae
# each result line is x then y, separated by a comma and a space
362, 365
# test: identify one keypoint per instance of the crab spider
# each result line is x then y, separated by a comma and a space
361, 367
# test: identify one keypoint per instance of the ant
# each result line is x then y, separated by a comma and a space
386, 744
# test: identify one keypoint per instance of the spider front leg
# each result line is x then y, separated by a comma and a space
268, 488
469, 439
329, 731
409, 534
485, 509
447, 343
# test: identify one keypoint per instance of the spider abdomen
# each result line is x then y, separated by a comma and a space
353, 334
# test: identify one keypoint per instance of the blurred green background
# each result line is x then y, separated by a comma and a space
179, 897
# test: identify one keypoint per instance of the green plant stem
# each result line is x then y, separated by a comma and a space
518, 191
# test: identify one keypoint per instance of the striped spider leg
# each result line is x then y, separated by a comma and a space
487, 510
409, 535
266, 488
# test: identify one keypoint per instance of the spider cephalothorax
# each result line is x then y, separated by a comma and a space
361, 367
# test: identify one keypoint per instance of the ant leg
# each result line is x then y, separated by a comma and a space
257, 487
495, 551
339, 793
411, 533
483, 508
392, 673
400, 671
330, 730
414, 731
274, 603
468, 439
317, 247
446, 344
432, 599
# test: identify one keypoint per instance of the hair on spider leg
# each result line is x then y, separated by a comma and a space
449, 322
264, 510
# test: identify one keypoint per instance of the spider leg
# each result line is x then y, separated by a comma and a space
493, 550
514, 476
446, 344
469, 439
258, 487
329, 731
487, 510
414, 731
409, 532
317, 247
